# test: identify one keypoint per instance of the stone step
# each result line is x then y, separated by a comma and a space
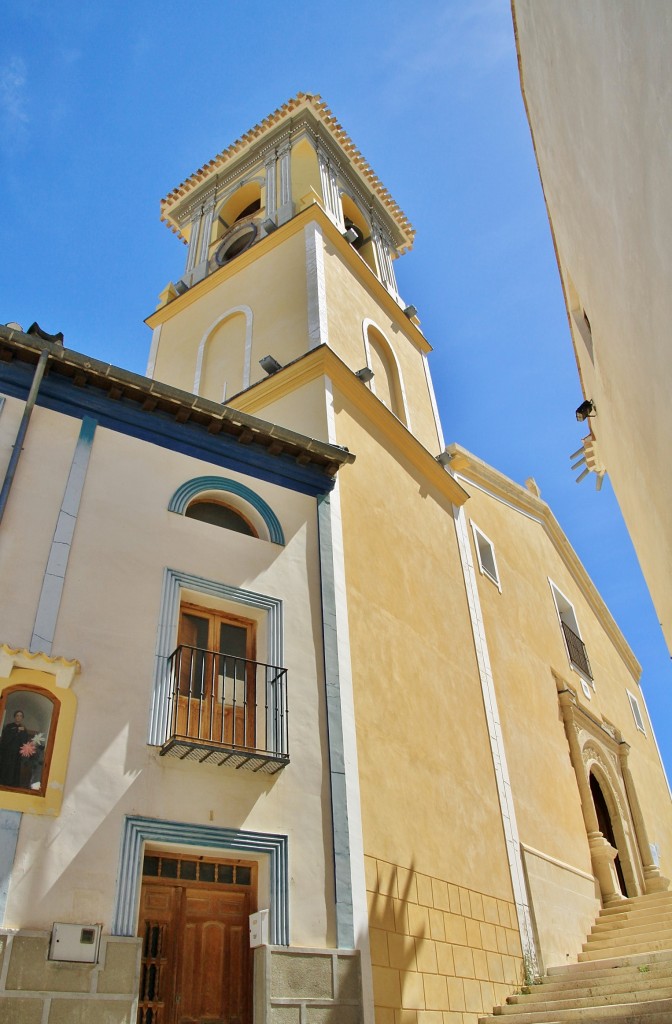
629, 938
650, 1011
632, 922
627, 948
635, 902
625, 979
607, 964
599, 998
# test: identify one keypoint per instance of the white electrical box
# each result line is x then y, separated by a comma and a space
78, 943
259, 929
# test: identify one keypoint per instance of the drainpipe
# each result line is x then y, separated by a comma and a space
21, 433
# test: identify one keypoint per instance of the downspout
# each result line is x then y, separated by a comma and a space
21, 433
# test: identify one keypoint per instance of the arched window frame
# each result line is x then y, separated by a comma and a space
27, 688
225, 200
247, 359
367, 324
240, 498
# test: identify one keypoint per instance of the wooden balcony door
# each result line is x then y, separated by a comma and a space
217, 686
196, 963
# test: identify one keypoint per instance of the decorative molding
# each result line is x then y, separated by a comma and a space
318, 324
496, 738
187, 491
54, 575
64, 670
138, 831
174, 582
247, 361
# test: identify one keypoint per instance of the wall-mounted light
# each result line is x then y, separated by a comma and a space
585, 410
269, 225
443, 458
365, 374
410, 312
350, 236
269, 364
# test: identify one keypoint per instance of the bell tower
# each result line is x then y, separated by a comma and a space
290, 244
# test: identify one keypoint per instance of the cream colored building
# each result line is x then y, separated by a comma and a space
305, 658
594, 77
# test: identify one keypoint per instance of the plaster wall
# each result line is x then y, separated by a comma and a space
423, 749
528, 656
279, 311
601, 136
34, 500
352, 300
66, 869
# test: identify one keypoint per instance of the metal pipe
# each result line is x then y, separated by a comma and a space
21, 433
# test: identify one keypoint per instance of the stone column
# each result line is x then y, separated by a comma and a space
286, 207
382, 247
271, 192
602, 853
206, 228
653, 880
193, 241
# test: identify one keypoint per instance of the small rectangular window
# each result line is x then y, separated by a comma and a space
574, 645
636, 713
485, 552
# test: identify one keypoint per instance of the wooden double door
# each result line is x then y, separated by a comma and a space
196, 958
217, 681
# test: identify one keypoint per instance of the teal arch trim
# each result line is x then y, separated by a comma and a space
139, 830
189, 490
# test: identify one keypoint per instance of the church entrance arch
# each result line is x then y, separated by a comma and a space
617, 837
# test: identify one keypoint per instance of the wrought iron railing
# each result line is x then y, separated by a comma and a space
225, 703
578, 655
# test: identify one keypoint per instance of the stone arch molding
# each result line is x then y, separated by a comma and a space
366, 324
200, 356
239, 495
598, 748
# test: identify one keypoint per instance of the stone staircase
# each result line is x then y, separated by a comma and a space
624, 974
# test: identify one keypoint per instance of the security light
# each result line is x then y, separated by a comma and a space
365, 374
269, 364
410, 312
443, 458
585, 410
350, 236
269, 225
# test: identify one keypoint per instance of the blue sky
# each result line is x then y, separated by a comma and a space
104, 108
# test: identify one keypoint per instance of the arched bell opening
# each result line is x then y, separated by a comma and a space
356, 221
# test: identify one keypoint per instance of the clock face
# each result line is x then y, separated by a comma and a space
236, 241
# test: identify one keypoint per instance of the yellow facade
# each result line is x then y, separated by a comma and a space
438, 799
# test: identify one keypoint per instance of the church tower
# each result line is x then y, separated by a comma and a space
290, 246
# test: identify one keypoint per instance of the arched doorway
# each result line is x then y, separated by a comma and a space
606, 827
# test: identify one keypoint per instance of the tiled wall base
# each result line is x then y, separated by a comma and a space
34, 990
306, 986
441, 954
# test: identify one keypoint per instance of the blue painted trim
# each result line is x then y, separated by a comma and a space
54, 575
156, 427
10, 822
191, 488
345, 929
174, 582
138, 831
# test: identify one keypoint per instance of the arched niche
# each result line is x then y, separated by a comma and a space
28, 720
387, 382
224, 354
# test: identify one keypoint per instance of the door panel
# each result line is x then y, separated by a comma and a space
196, 964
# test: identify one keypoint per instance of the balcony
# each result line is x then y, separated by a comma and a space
578, 655
225, 710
